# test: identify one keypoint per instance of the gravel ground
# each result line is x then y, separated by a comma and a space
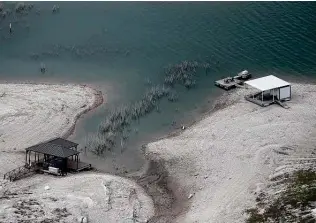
222, 161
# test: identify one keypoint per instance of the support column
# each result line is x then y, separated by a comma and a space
262, 98
26, 156
77, 162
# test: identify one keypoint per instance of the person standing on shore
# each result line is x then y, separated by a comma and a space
10, 28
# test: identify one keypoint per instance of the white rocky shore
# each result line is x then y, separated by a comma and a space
218, 164
96, 197
31, 113
223, 160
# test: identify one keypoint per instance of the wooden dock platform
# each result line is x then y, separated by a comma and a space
19, 173
257, 99
233, 82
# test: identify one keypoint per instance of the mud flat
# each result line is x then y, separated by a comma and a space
221, 162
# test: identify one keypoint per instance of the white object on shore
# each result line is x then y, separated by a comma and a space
183, 127
83, 220
47, 188
190, 196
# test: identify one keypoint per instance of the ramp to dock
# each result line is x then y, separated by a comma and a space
19, 172
282, 104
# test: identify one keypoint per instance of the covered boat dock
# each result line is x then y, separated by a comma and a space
271, 90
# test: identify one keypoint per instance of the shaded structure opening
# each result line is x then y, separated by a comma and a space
271, 90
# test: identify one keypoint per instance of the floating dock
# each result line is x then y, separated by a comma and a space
233, 82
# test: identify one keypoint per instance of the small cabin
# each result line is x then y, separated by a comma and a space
57, 156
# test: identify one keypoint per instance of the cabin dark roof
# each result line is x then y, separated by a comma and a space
63, 142
57, 147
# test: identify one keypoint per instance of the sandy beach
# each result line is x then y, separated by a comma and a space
224, 160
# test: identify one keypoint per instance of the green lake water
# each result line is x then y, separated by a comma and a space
119, 46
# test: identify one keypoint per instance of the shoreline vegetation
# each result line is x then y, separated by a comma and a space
295, 202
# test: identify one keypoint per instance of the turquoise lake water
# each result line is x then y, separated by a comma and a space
120, 46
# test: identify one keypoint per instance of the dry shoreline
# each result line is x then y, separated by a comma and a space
99, 99
166, 193
186, 169
184, 153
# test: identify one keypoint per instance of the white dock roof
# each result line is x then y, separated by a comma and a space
267, 83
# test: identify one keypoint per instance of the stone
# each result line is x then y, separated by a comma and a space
83, 220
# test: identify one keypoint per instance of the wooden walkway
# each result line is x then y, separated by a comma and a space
265, 102
232, 82
19, 172
228, 85
24, 171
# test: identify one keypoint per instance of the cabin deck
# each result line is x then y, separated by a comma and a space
265, 103
267, 100
72, 165
56, 156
